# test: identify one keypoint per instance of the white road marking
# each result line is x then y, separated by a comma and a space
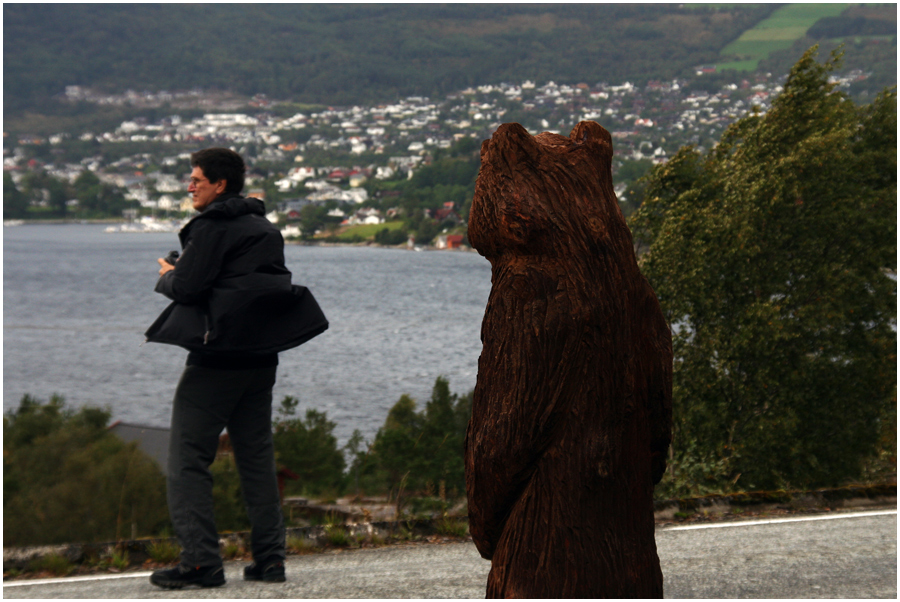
750, 523
71, 579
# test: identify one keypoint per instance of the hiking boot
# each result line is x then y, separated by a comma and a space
181, 575
270, 571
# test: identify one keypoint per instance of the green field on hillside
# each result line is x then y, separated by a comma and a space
366, 231
778, 32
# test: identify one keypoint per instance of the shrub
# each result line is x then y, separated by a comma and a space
68, 479
119, 559
391, 237
53, 563
337, 535
300, 545
451, 526
232, 550
164, 551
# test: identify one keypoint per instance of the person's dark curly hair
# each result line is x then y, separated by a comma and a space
219, 163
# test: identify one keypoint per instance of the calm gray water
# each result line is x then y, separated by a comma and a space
77, 300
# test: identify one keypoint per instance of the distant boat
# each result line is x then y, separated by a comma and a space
13, 222
149, 224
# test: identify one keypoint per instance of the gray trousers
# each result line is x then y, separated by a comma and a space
206, 401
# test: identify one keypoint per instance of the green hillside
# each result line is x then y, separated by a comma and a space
868, 33
352, 54
365, 54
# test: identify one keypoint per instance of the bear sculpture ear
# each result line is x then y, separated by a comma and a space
513, 149
588, 132
501, 214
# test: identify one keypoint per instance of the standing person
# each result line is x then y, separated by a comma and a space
234, 308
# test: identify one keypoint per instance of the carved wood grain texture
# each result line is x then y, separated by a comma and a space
571, 419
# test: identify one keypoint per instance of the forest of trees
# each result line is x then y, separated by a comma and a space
40, 195
352, 54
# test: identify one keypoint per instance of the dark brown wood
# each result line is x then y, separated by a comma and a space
572, 411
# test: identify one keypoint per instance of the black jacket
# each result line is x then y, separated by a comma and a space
231, 292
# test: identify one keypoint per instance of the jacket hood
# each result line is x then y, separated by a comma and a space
223, 207
230, 205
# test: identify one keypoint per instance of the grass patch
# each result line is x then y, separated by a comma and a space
119, 560
376, 540
778, 32
301, 545
337, 536
451, 526
232, 550
404, 533
366, 231
748, 65
426, 507
53, 563
164, 551
800, 15
773, 34
335, 533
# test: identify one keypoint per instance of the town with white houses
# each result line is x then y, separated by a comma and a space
329, 154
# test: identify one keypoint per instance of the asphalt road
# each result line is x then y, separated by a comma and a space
837, 555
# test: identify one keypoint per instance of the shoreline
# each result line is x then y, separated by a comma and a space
302, 243
373, 244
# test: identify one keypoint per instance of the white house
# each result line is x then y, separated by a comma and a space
384, 172
166, 202
290, 231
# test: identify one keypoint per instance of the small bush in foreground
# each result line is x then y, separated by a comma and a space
52, 563
451, 526
164, 551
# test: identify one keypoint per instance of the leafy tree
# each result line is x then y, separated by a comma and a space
308, 447
66, 478
426, 231
15, 203
774, 258
386, 236
311, 219
41, 187
96, 197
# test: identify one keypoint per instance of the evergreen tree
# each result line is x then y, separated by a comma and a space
397, 444
308, 447
420, 449
443, 436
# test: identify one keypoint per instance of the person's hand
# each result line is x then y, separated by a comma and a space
164, 266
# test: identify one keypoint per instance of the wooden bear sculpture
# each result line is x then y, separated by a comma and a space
571, 419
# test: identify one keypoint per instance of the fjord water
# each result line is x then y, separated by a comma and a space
77, 300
